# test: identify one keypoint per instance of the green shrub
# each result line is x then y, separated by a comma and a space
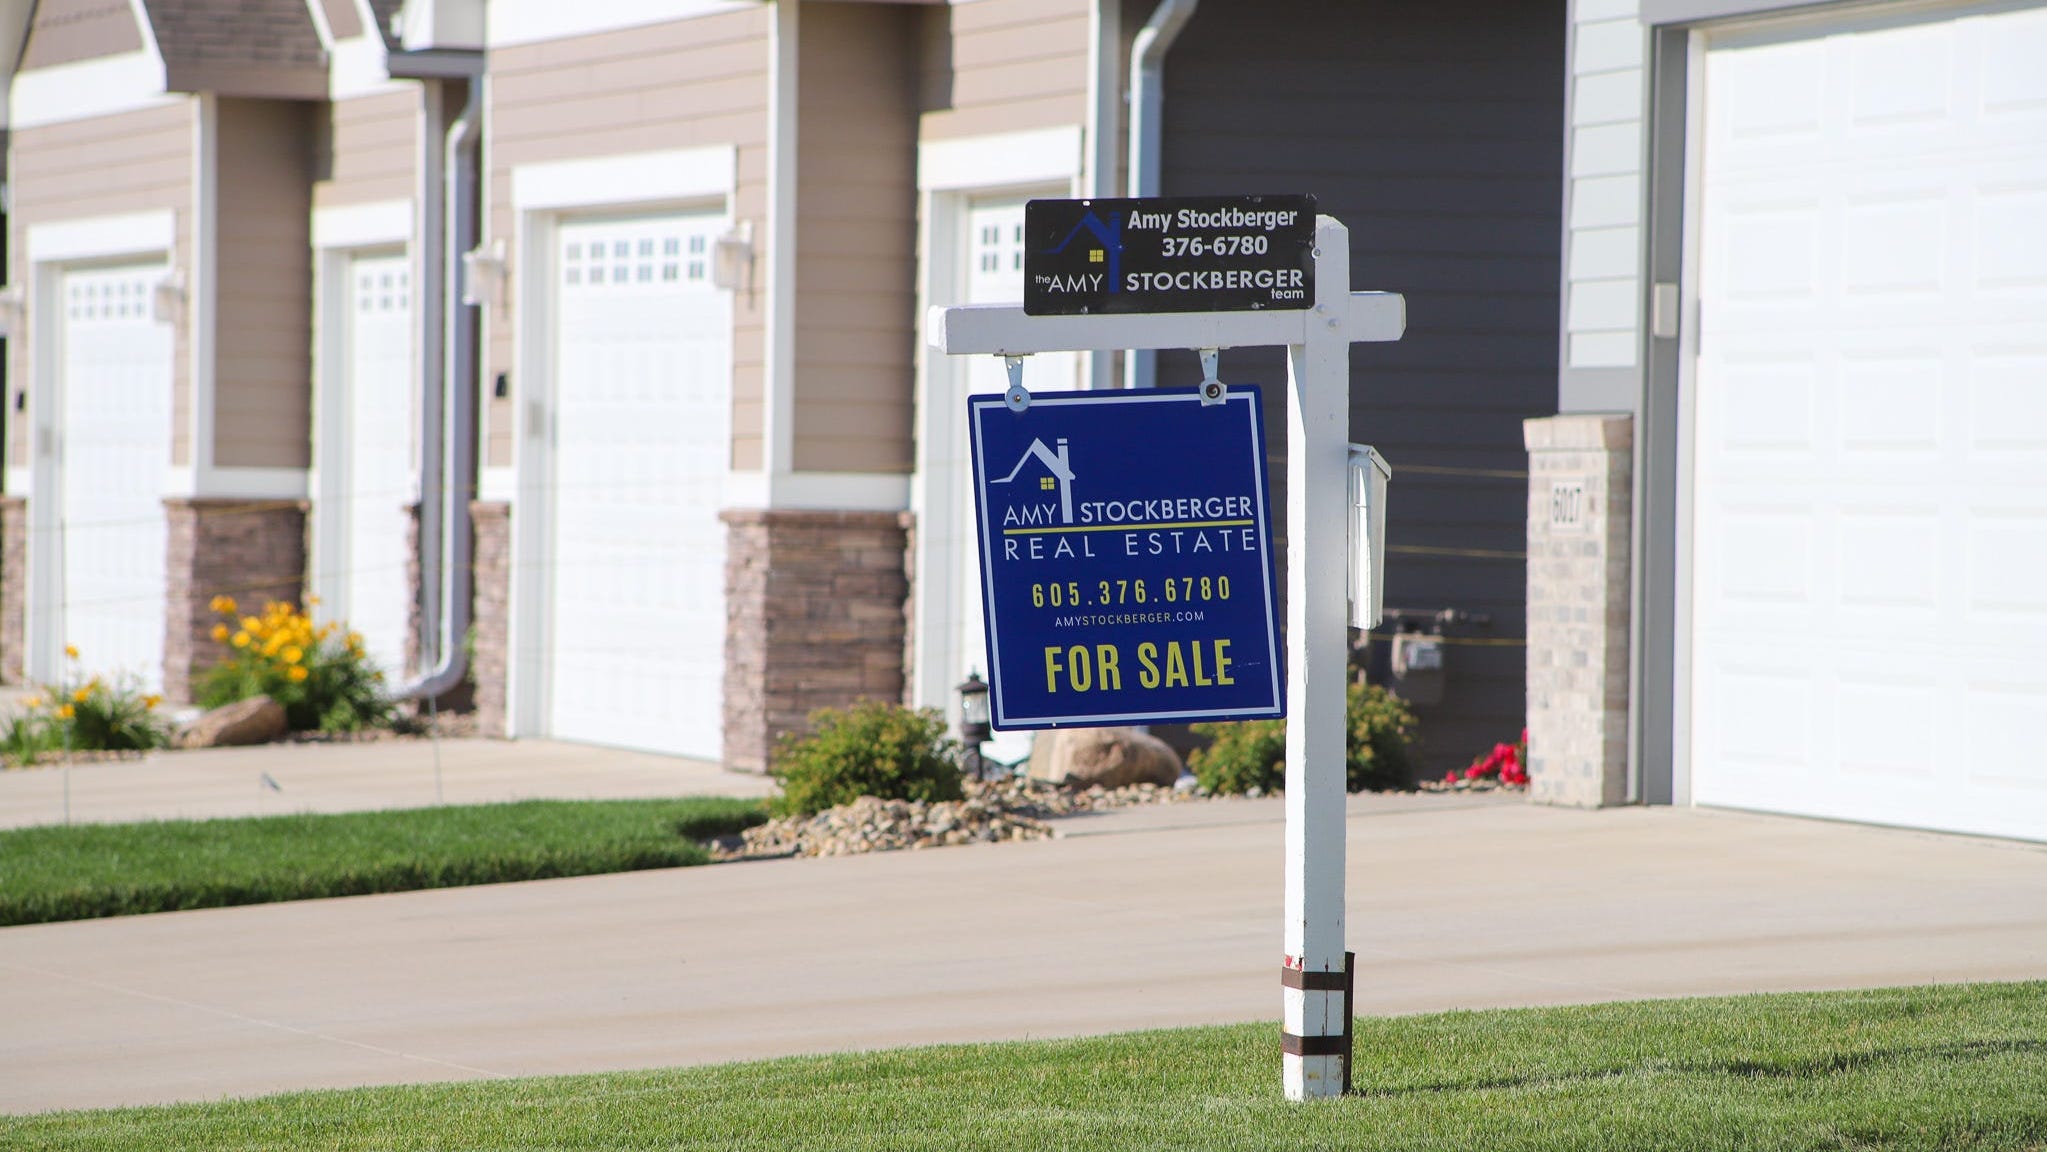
84, 714
870, 749
322, 676
1251, 754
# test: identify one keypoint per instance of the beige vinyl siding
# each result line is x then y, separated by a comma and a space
1014, 65
104, 166
64, 31
687, 84
370, 150
263, 299
856, 198
343, 20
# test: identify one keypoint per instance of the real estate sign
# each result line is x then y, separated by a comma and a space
1168, 254
1126, 563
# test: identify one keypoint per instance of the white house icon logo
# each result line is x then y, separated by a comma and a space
1061, 477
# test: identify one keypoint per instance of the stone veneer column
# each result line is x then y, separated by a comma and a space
1580, 524
491, 528
13, 588
814, 619
254, 551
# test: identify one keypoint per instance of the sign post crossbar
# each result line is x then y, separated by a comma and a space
1315, 1003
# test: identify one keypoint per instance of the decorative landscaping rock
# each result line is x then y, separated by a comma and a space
1013, 809
1081, 758
257, 720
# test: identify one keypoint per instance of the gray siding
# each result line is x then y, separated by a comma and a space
1435, 134
263, 328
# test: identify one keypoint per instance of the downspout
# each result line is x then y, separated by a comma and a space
1147, 112
448, 419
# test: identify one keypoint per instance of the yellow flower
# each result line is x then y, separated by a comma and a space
296, 673
32, 703
71, 651
251, 624
82, 695
220, 632
241, 640
312, 601
273, 643
151, 700
293, 654
225, 605
66, 712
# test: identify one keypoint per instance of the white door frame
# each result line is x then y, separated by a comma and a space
339, 236
542, 194
53, 250
950, 175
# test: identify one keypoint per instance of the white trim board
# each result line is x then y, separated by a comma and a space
104, 86
510, 22
614, 181
99, 237
363, 225
237, 483
819, 491
1039, 156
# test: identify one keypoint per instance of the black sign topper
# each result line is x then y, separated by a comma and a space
1169, 254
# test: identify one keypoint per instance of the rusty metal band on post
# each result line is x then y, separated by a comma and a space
1294, 1045
1310, 981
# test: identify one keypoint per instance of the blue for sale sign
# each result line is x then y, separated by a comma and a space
1126, 559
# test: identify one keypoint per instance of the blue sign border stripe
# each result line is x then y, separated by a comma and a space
979, 403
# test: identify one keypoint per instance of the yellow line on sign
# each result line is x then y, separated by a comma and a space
1133, 527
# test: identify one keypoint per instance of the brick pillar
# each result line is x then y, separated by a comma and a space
492, 559
908, 521
254, 551
814, 619
1580, 521
13, 588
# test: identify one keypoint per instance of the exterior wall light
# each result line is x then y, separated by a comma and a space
732, 258
167, 301
483, 274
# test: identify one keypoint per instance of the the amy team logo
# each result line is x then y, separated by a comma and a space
1058, 476
1107, 250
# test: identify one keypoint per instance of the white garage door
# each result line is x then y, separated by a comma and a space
376, 597
1870, 493
642, 438
115, 451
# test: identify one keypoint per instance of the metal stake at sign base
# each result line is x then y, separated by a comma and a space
1316, 1018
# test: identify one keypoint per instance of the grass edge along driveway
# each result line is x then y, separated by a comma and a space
81, 871
1957, 1066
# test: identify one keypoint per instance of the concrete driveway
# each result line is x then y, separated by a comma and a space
280, 778
1165, 916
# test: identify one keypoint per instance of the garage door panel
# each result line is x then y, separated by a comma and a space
1870, 488
115, 422
643, 383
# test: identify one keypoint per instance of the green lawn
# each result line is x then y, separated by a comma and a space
87, 870
1958, 1067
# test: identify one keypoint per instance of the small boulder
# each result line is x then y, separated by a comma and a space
1083, 758
257, 720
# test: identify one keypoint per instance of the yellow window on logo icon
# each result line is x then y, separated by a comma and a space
1094, 255
1045, 483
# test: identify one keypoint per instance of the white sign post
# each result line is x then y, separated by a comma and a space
1318, 340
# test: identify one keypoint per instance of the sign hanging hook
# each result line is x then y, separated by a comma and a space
1017, 398
1213, 390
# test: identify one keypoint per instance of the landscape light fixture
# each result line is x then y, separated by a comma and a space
974, 728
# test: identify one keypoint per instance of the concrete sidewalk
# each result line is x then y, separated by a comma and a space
1155, 917
352, 777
